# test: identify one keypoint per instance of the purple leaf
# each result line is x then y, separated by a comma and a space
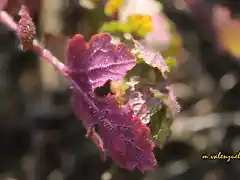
152, 58
121, 134
101, 60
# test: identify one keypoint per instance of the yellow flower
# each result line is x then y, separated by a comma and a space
139, 24
119, 88
112, 6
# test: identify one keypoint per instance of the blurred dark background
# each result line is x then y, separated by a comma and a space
40, 137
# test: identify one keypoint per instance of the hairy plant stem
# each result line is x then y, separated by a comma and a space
7, 20
39, 48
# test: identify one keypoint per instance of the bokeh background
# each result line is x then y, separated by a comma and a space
40, 137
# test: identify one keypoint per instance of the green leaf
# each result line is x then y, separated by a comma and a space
115, 26
160, 126
138, 58
159, 95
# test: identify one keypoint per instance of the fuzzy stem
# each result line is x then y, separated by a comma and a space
6, 19
48, 56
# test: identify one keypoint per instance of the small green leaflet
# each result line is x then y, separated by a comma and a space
160, 126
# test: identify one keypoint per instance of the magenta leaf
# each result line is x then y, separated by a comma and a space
122, 135
101, 61
150, 57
